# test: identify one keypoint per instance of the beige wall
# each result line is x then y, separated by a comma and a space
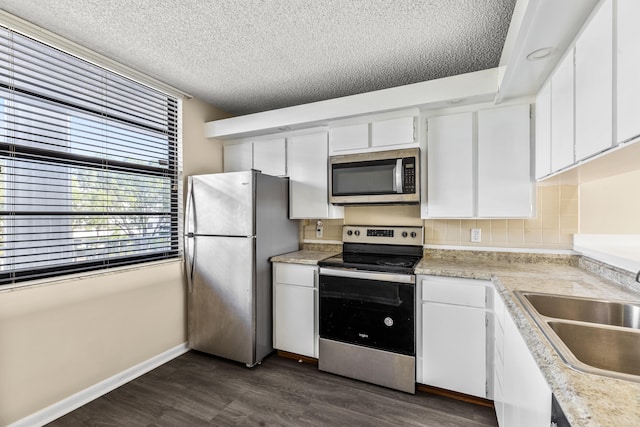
199, 155
553, 227
611, 205
61, 337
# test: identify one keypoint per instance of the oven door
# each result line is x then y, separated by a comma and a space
376, 310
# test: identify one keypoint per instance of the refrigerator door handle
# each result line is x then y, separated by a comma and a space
188, 218
190, 259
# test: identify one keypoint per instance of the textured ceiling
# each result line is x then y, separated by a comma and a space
246, 56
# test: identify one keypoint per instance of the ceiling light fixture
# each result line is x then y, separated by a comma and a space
456, 101
539, 54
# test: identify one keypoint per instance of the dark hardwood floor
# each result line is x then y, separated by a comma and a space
196, 389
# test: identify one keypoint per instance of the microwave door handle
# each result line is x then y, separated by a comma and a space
398, 185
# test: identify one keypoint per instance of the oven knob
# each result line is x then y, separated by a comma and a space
357, 232
388, 321
349, 232
404, 234
413, 234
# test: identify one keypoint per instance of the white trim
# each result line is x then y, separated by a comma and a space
492, 249
30, 30
475, 87
88, 274
85, 396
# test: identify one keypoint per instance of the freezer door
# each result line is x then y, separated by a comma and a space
222, 298
221, 204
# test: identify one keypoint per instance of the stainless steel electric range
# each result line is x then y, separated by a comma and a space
367, 306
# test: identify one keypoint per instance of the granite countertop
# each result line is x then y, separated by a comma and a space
307, 256
587, 399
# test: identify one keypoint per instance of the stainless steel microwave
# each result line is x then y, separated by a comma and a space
391, 177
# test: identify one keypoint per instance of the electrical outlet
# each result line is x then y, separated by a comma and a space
476, 235
319, 228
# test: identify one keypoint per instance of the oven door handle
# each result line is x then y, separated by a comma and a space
358, 274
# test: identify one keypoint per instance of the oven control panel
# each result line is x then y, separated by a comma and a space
383, 235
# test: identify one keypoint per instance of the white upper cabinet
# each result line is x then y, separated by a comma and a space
268, 156
594, 84
393, 132
628, 70
375, 133
307, 158
353, 137
562, 135
479, 164
505, 187
238, 157
450, 166
543, 131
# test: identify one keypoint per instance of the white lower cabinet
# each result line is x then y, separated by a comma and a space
295, 309
452, 340
521, 394
466, 341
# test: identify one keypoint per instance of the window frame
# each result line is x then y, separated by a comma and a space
172, 172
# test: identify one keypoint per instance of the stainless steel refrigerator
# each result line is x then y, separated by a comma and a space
234, 222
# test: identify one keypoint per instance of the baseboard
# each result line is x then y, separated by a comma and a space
85, 396
298, 357
455, 395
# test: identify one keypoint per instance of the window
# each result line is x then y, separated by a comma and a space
88, 165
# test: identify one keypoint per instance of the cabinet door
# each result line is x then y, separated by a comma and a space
308, 169
594, 84
562, 138
505, 184
526, 392
543, 131
294, 319
450, 166
454, 348
393, 132
238, 157
270, 157
628, 70
352, 137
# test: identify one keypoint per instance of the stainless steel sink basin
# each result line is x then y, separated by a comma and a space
590, 335
608, 349
586, 309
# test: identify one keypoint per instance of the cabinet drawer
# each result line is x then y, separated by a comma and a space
471, 293
295, 274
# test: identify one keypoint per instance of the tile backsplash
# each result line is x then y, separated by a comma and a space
553, 227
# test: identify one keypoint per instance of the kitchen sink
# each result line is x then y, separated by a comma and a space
590, 335
586, 309
608, 349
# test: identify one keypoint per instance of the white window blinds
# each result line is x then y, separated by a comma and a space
88, 165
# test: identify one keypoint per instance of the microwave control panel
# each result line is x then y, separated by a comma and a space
409, 172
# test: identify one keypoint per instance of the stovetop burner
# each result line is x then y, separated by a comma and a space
386, 249
372, 262
395, 262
